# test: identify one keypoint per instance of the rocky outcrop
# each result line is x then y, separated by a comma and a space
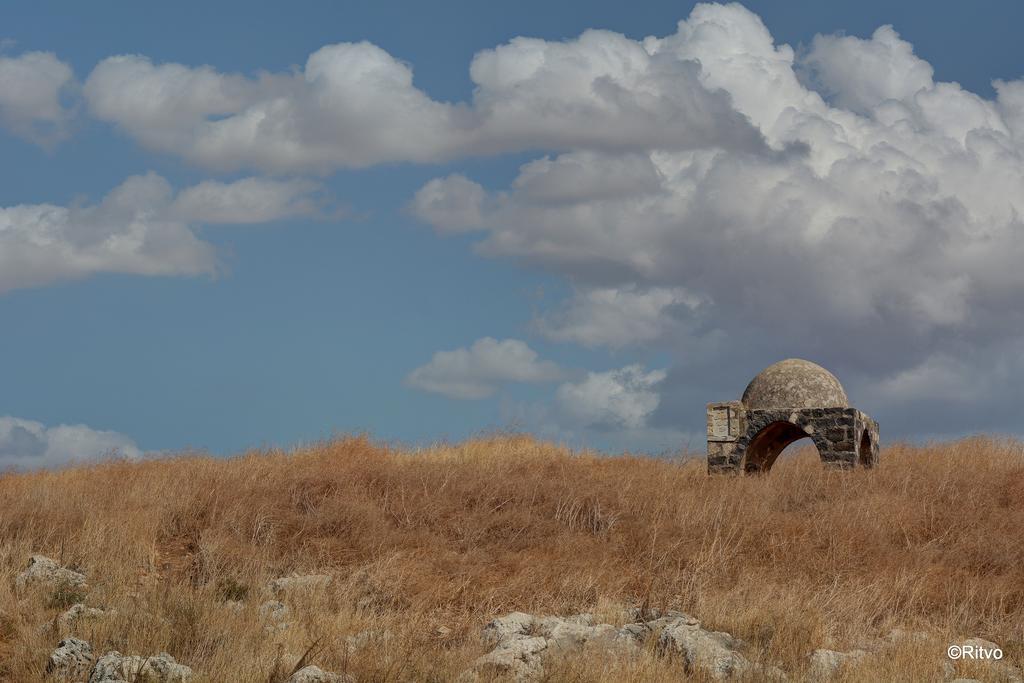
521, 642
114, 667
714, 654
314, 674
42, 570
71, 661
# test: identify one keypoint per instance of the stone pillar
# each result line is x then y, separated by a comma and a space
726, 424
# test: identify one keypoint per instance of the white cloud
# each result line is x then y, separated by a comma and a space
616, 399
31, 86
862, 74
617, 317
250, 200
139, 228
354, 105
452, 204
26, 444
478, 371
882, 225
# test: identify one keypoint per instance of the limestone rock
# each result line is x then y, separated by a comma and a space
43, 570
519, 658
71, 660
712, 652
114, 667
80, 612
314, 674
522, 641
825, 664
507, 627
519, 641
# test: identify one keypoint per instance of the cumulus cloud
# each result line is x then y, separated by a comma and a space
477, 372
451, 204
616, 399
139, 228
354, 105
861, 74
880, 226
31, 88
250, 200
617, 317
26, 444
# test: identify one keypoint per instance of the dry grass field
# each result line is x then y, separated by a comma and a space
426, 546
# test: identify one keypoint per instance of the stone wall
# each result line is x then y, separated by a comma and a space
750, 440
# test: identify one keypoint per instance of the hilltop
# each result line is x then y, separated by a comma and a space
416, 550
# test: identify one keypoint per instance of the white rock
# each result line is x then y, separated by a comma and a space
71, 660
712, 652
506, 627
521, 641
569, 635
79, 612
519, 658
160, 668
314, 674
43, 570
825, 664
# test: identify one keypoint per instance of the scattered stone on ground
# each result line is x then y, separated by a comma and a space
298, 582
521, 641
43, 570
80, 612
234, 605
71, 660
825, 664
314, 674
713, 653
114, 667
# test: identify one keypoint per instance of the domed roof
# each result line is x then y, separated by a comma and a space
794, 383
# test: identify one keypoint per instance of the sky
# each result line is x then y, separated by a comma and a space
258, 225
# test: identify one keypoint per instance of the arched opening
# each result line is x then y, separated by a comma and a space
864, 450
801, 454
765, 448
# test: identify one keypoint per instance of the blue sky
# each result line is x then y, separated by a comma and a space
207, 241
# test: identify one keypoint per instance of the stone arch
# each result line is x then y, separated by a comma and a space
764, 448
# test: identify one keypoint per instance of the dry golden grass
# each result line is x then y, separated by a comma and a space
454, 535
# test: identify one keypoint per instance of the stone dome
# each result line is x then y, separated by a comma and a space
794, 383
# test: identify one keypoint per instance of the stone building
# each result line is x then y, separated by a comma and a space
787, 401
